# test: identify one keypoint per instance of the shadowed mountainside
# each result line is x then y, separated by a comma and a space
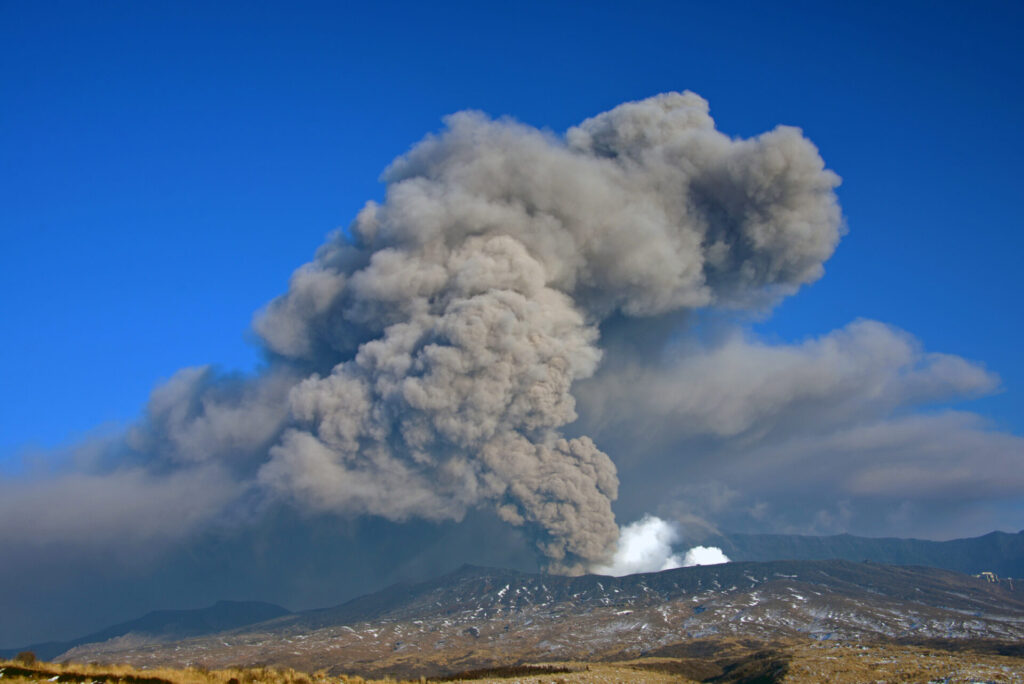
167, 625
482, 617
494, 591
998, 552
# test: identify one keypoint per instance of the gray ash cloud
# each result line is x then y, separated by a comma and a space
447, 326
422, 365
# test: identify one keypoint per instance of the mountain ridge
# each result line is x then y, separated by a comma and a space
167, 624
483, 617
998, 552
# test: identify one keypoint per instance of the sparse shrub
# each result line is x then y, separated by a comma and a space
502, 672
26, 658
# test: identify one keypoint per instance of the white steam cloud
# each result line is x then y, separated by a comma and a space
704, 555
646, 546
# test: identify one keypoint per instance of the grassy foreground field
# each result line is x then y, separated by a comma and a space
701, 661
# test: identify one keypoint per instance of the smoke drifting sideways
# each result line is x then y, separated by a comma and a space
422, 364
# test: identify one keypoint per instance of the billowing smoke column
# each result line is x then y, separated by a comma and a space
437, 341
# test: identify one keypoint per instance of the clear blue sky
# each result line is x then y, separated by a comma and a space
165, 165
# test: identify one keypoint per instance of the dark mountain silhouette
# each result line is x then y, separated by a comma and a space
168, 625
998, 552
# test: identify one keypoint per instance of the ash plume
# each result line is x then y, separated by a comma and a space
439, 337
422, 365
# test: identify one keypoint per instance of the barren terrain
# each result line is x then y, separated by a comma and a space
479, 618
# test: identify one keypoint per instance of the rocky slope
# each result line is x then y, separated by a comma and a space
478, 617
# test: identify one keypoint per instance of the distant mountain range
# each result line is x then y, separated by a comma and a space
998, 552
167, 625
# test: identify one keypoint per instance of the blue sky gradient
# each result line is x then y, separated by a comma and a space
166, 165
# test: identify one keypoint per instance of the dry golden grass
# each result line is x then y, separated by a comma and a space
14, 672
850, 663
794, 662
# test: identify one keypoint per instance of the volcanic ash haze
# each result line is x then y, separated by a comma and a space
442, 333
423, 363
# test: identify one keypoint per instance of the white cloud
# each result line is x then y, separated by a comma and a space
704, 555
856, 418
644, 546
